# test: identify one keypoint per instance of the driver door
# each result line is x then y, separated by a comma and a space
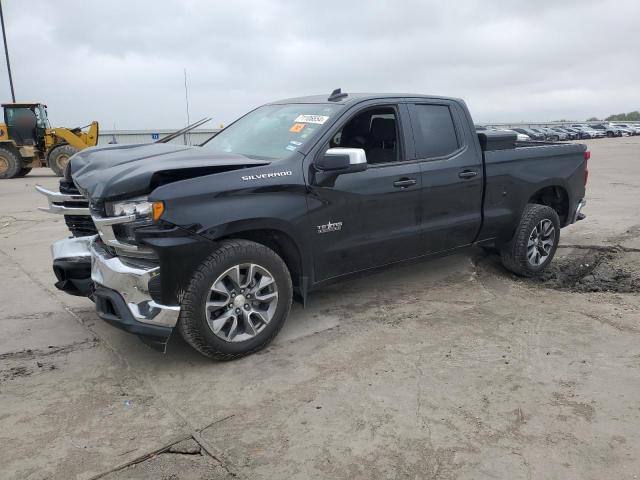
370, 218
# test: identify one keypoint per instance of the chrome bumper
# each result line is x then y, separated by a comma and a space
133, 284
56, 200
74, 249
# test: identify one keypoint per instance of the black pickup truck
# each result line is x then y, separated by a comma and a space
218, 239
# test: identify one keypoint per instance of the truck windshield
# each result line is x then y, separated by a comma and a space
273, 131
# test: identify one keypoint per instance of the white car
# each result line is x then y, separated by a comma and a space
521, 136
633, 129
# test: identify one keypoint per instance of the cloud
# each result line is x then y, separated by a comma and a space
122, 62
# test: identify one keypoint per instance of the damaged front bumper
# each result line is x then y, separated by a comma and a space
120, 289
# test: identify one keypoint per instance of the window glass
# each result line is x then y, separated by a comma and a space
374, 131
433, 130
273, 131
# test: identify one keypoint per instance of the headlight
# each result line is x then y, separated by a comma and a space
138, 206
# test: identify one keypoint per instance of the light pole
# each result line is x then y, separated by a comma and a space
6, 54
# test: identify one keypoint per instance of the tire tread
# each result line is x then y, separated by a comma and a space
187, 320
514, 253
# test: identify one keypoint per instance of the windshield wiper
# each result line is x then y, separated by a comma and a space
182, 131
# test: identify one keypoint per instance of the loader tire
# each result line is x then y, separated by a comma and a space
59, 157
10, 163
24, 171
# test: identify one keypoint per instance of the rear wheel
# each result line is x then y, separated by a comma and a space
534, 242
610, 134
10, 163
236, 301
59, 157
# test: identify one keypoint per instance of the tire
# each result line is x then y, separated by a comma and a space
10, 163
59, 157
24, 171
196, 323
516, 254
556, 138
610, 134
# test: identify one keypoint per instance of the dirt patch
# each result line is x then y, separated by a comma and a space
593, 270
30, 353
25, 370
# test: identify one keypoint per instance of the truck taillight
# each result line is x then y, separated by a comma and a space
587, 156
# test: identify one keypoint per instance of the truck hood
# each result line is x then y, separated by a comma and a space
127, 170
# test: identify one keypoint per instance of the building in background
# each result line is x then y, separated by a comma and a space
195, 137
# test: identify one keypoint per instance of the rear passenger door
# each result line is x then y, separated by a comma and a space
451, 171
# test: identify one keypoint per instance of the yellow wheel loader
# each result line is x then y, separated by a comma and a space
27, 140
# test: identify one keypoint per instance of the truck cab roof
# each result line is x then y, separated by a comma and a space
354, 98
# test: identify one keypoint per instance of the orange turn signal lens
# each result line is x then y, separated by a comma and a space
158, 210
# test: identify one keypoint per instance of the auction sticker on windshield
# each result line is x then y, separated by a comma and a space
319, 119
297, 127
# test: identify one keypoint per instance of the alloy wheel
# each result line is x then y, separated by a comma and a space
541, 242
241, 303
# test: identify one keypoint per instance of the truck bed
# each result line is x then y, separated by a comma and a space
528, 169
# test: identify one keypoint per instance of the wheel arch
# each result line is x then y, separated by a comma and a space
556, 197
285, 246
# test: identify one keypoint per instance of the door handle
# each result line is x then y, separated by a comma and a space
404, 182
468, 174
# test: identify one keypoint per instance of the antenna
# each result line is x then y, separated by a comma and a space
337, 95
6, 53
186, 100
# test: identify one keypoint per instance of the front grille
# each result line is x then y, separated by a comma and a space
78, 225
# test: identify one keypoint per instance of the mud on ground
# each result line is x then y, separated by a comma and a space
589, 269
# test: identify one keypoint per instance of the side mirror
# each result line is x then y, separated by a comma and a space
342, 160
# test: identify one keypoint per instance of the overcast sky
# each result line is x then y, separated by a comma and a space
121, 62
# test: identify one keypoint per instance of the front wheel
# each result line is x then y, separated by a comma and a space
534, 242
237, 301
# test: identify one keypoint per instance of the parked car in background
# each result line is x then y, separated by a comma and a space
592, 132
530, 133
543, 134
579, 133
608, 129
554, 135
633, 129
627, 132
570, 135
520, 137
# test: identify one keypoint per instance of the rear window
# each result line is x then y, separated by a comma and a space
434, 132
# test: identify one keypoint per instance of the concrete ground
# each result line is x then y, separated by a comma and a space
447, 369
